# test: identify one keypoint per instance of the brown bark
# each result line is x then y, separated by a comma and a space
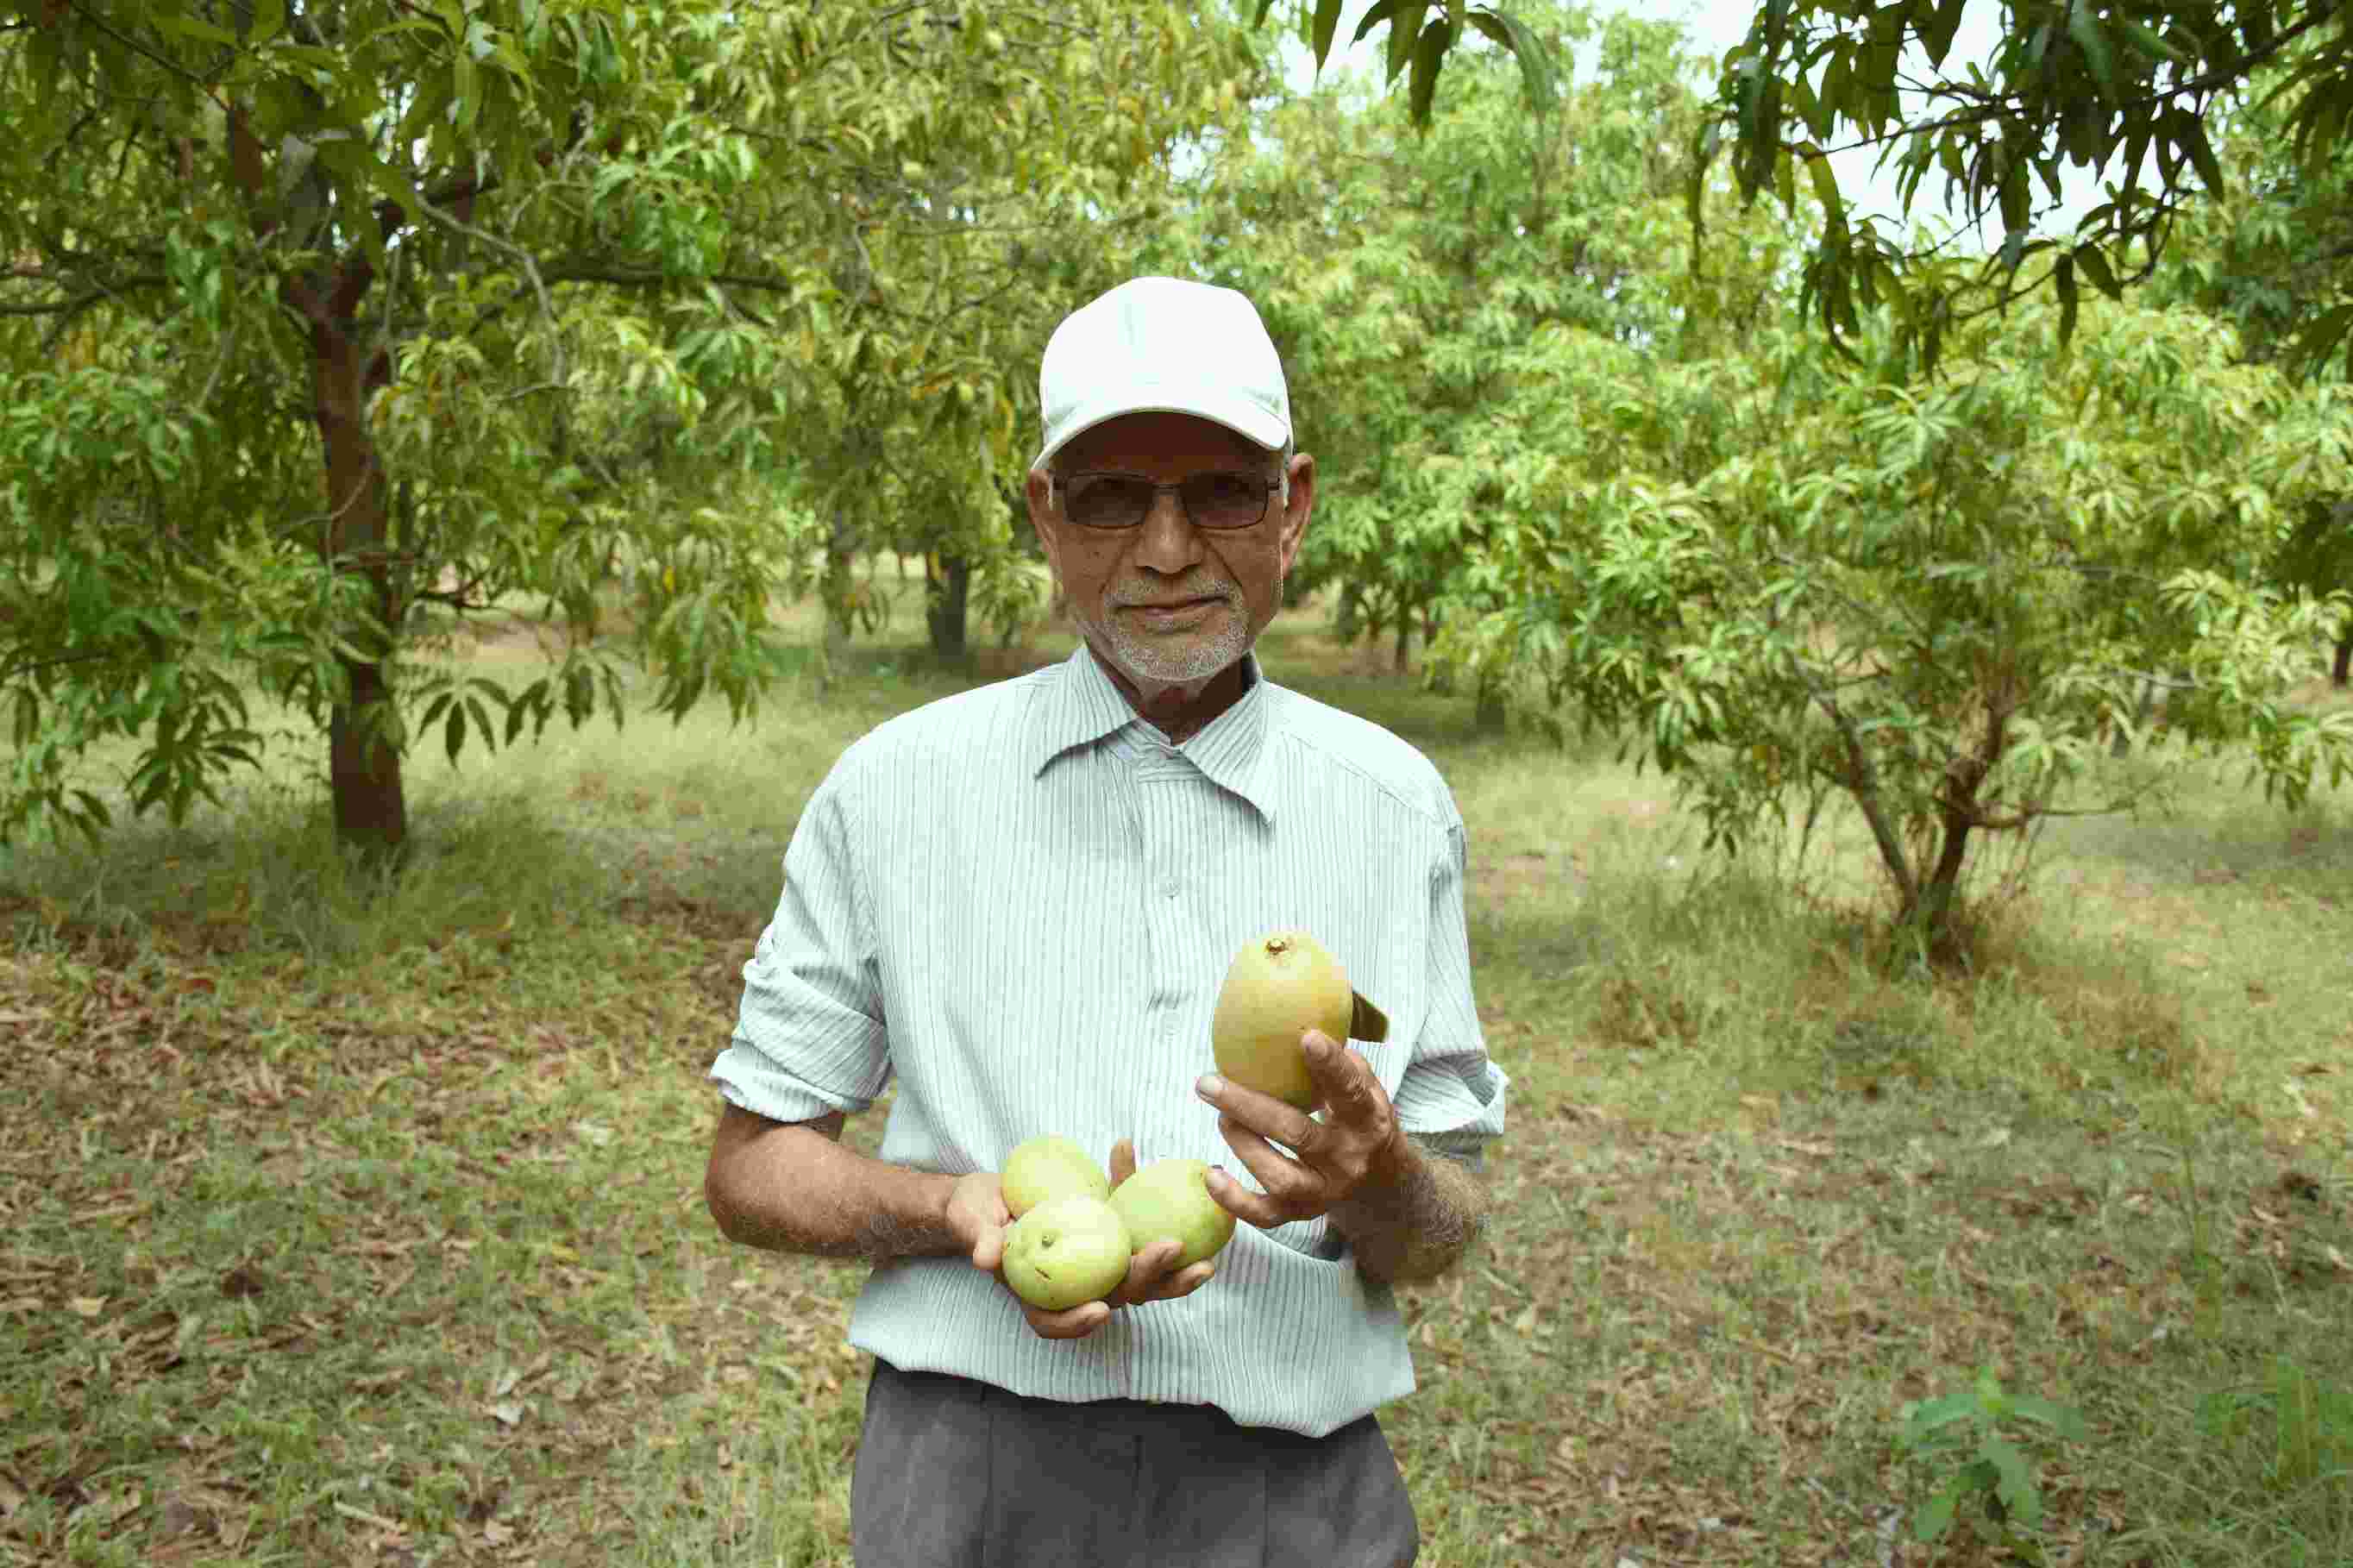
947, 589
1490, 716
1933, 913
840, 568
371, 808
1958, 813
246, 166
2341, 671
363, 766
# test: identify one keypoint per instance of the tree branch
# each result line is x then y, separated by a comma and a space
633, 278
83, 301
1994, 107
16, 671
529, 266
1862, 781
135, 46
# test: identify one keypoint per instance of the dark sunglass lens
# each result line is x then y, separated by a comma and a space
1108, 502
1223, 500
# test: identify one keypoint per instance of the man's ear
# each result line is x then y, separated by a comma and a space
1302, 474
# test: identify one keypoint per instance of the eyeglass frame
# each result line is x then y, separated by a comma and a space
1055, 497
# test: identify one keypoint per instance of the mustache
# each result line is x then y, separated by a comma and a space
1142, 595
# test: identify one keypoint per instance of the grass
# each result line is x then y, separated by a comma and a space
354, 1225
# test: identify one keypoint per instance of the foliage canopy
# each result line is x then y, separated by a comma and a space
2068, 85
1604, 459
328, 325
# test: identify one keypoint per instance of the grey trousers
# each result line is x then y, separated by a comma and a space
955, 1473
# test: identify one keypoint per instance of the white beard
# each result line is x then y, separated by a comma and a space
1184, 660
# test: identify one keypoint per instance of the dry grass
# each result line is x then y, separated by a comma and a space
352, 1228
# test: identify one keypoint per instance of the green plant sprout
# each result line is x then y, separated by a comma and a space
1970, 1422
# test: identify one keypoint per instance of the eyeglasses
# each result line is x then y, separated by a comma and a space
1123, 501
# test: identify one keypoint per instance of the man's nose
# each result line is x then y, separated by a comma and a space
1167, 540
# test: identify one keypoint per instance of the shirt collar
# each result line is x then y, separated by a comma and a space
1081, 706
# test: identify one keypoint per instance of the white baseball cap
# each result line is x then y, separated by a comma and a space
1163, 345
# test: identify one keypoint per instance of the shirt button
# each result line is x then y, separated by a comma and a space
1172, 889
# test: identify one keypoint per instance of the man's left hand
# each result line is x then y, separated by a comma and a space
1357, 1143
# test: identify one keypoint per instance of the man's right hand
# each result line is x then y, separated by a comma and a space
978, 1217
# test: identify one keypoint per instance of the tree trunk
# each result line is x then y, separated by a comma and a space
608, 576
2341, 672
363, 763
1348, 614
1404, 644
947, 587
1931, 912
840, 567
364, 768
1491, 717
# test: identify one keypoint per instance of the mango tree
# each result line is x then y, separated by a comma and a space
2139, 96
325, 320
1401, 274
953, 255
2274, 256
1778, 574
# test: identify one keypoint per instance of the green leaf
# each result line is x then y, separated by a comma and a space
1538, 74
2319, 339
1936, 1515
1405, 29
466, 92
2148, 41
1943, 23
2201, 152
2016, 201
2063, 274
454, 732
1937, 1414
2038, 47
1826, 190
1373, 18
1429, 54
2095, 267
2013, 1482
187, 27
1263, 7
2062, 1419
1326, 22
483, 725
2084, 29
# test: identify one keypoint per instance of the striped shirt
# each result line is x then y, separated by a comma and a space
1020, 902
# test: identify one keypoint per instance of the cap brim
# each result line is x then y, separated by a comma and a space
1244, 418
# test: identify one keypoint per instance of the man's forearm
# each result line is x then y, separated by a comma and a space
795, 1190
1416, 1223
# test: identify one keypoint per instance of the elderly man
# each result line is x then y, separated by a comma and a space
1020, 902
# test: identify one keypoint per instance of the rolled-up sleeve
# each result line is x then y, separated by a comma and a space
809, 1038
1451, 1098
